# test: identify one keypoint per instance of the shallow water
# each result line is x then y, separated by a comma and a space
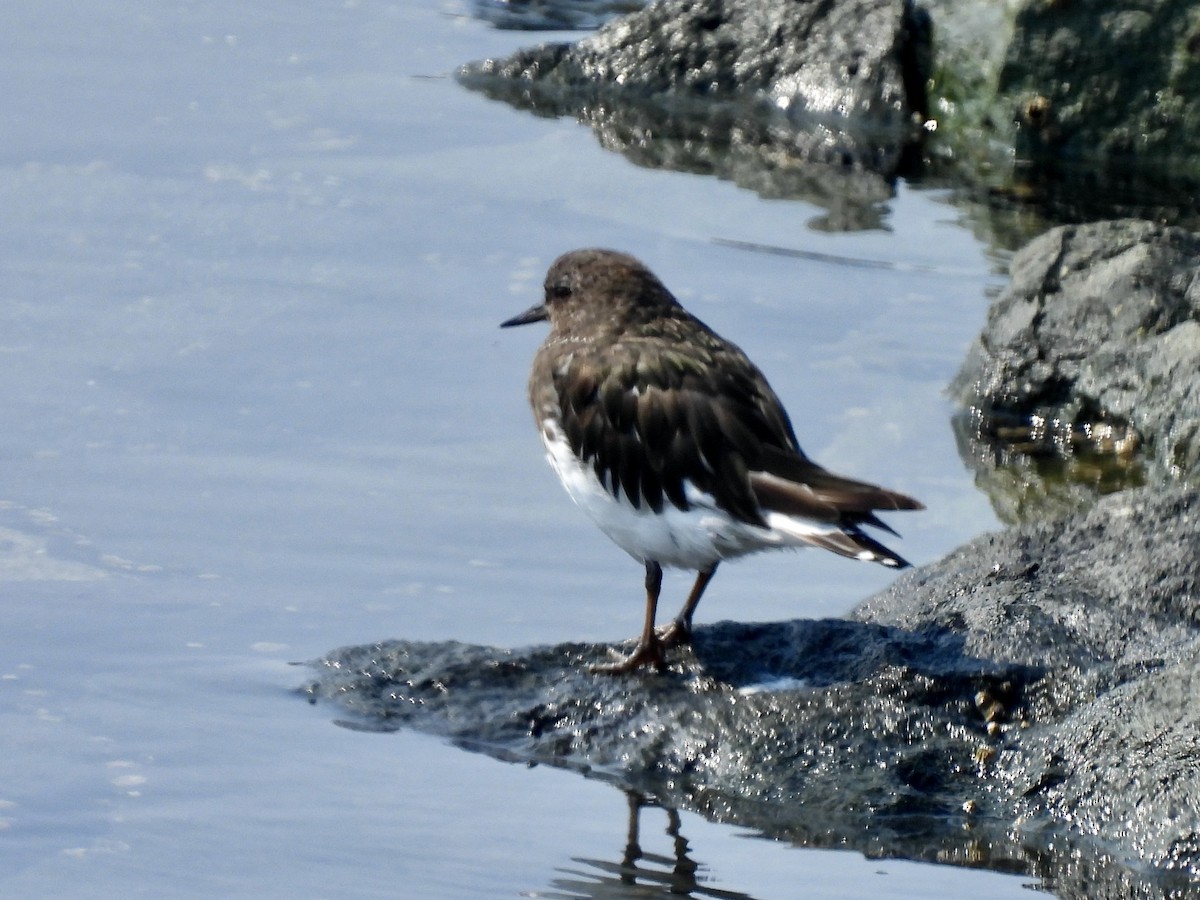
256, 406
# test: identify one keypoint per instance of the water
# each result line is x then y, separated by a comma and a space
256, 406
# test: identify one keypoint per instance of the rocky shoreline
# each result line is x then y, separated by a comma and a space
1031, 692
1026, 703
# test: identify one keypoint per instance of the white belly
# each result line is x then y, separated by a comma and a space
690, 539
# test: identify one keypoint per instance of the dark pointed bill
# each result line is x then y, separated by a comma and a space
537, 313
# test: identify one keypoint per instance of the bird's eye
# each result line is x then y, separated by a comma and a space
560, 290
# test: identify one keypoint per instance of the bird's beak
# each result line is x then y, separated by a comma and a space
537, 313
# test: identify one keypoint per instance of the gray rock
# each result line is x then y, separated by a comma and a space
1106, 604
1096, 345
849, 59
1024, 704
791, 99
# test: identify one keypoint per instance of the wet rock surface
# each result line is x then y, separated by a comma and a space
854, 58
1093, 350
1024, 704
1105, 81
1107, 604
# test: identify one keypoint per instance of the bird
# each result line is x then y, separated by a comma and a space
671, 440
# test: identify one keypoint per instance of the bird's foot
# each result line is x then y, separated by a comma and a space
650, 655
678, 633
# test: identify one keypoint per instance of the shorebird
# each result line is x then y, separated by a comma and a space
673, 442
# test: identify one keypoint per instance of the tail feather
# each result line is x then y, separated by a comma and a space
832, 500
814, 506
845, 540
875, 522
857, 545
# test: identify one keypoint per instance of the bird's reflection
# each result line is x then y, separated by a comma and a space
638, 873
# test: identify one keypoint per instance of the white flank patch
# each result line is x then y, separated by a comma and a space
687, 539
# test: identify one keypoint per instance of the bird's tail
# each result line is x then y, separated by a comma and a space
844, 540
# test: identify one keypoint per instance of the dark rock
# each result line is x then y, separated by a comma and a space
1082, 110
1094, 347
1024, 704
1100, 80
1087, 109
847, 59
1107, 740
784, 98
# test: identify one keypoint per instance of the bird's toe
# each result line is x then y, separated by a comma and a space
678, 633
645, 655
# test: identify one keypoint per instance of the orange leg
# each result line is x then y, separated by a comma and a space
649, 649
680, 631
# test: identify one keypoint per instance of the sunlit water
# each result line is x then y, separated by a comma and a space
255, 405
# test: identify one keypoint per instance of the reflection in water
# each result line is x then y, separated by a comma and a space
1032, 471
1068, 191
546, 15
849, 169
638, 873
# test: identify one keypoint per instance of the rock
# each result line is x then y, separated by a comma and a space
857, 58
782, 97
1103, 80
1095, 345
1024, 704
1096, 101
1106, 605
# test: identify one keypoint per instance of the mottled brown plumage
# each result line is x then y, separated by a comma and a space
672, 419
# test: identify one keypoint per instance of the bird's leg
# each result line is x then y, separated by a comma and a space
680, 631
649, 649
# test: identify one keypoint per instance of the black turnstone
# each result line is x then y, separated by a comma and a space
672, 440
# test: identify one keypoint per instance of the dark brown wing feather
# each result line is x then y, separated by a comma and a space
650, 415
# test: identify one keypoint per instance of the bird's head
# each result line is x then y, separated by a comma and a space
596, 291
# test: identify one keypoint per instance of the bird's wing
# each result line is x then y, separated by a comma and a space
798, 486
649, 420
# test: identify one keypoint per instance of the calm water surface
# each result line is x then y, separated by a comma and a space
255, 405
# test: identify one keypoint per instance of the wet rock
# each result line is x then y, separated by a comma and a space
781, 97
1107, 603
1096, 79
1024, 704
1093, 350
1095, 100
850, 59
